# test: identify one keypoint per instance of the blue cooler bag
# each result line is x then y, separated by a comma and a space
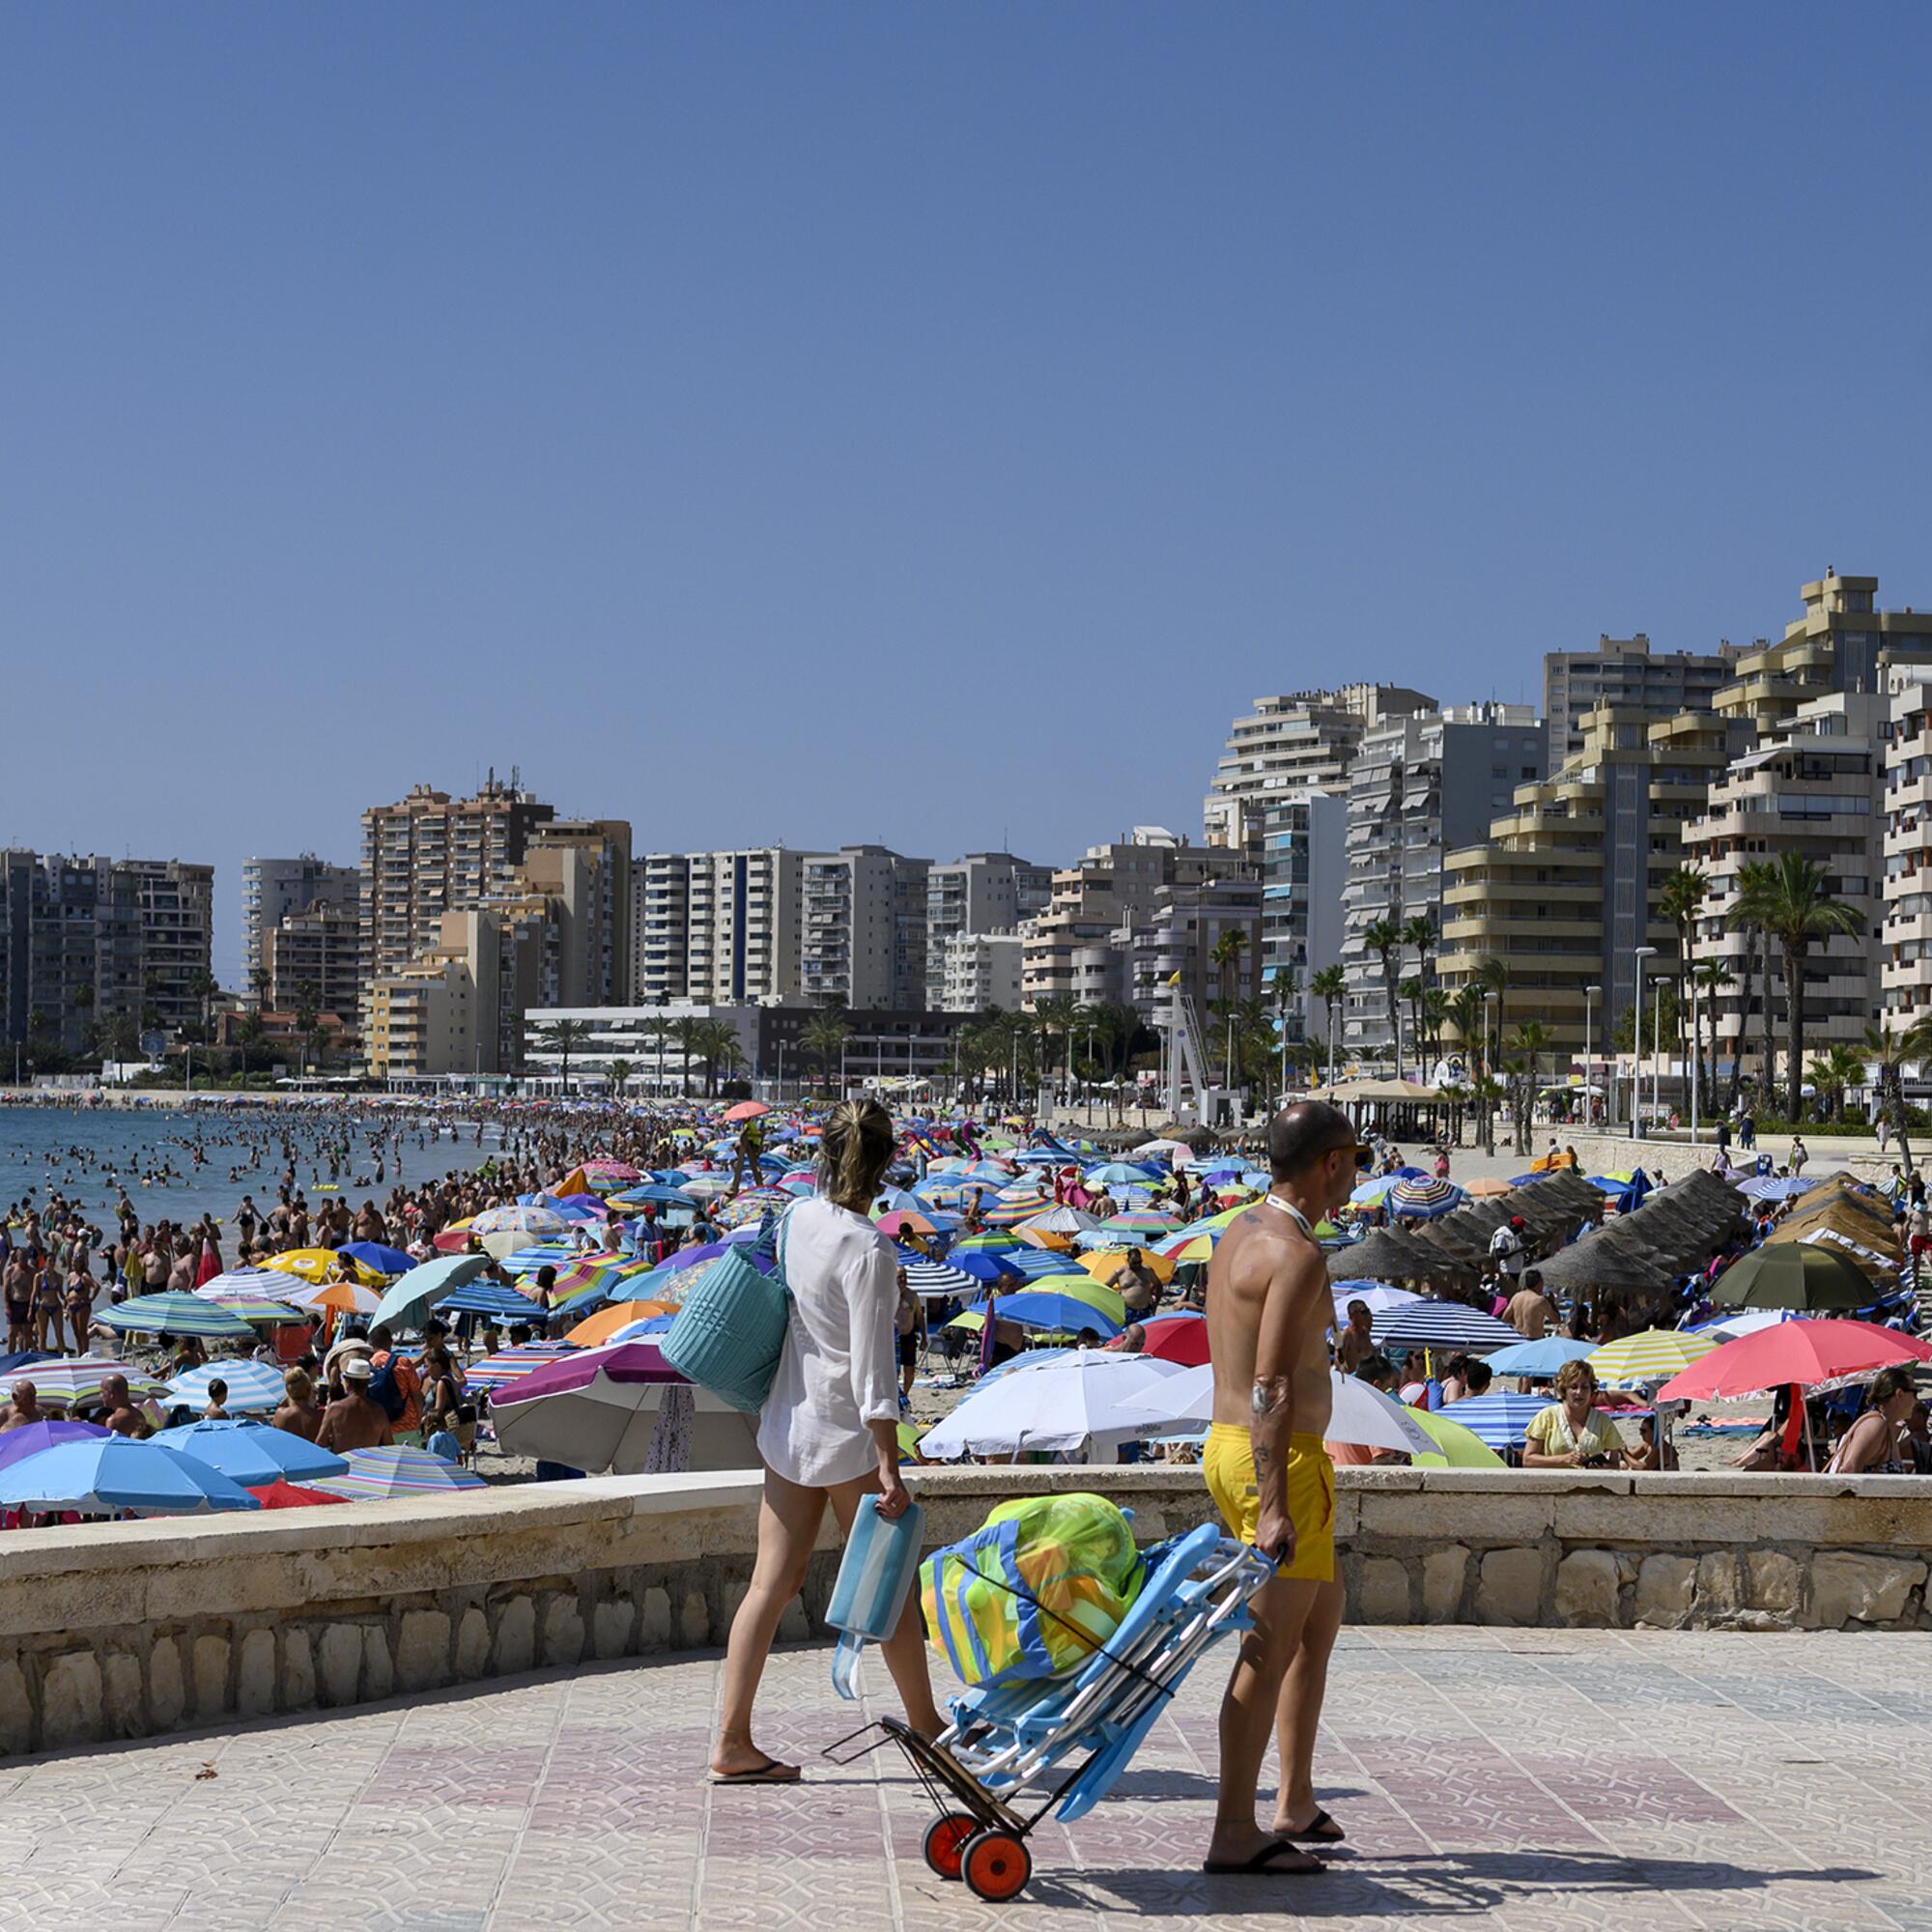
728, 1335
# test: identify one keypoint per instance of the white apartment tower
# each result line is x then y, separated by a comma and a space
272, 889
865, 928
984, 892
721, 928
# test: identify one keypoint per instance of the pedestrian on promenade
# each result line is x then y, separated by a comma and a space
1268, 1310
830, 1428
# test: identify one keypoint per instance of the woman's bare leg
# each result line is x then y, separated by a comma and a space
789, 1518
904, 1651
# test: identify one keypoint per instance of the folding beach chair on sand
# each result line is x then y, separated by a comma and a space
1067, 1739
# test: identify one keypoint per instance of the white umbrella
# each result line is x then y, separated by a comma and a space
251, 1284
1377, 1296
1067, 1404
1362, 1414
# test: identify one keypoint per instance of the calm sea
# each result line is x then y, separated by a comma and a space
88, 1154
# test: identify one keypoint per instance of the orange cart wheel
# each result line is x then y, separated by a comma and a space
996, 1865
945, 1839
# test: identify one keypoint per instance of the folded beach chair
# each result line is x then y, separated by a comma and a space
1064, 1741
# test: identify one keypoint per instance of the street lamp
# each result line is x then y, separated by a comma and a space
1589, 1007
1641, 954
1489, 1105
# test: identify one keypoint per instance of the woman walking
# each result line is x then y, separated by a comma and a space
830, 1428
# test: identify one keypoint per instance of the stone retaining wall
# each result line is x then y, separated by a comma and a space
126, 1630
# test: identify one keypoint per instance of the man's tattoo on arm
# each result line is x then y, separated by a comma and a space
1269, 1392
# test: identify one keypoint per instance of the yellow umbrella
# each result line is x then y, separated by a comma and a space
320, 1264
601, 1326
1105, 1267
1653, 1357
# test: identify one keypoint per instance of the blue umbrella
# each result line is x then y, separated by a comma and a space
251, 1453
252, 1386
34, 1437
490, 1297
1110, 1171
1037, 1309
374, 1255
409, 1301
982, 1264
1442, 1324
1038, 1263
1498, 1420
1542, 1357
115, 1472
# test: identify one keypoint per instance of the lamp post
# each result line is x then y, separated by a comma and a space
1589, 1007
1489, 1105
1696, 1054
1642, 953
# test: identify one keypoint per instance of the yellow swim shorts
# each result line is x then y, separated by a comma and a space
1229, 1464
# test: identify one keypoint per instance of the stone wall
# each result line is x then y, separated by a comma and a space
127, 1630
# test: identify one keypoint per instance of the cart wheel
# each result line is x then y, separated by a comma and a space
945, 1838
996, 1865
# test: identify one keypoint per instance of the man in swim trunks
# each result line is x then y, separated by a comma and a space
1268, 1312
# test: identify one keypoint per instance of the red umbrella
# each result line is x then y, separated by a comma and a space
746, 1110
1804, 1352
1178, 1338
282, 1494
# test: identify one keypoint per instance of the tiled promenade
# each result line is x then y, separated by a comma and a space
1535, 1780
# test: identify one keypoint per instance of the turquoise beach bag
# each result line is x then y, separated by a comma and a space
728, 1335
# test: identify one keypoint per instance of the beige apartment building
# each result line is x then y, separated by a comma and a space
1905, 934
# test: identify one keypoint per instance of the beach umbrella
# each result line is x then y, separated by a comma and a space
512, 1364
335, 1298
35, 1436
105, 1475
1138, 1221
1441, 1324
1377, 1296
606, 1173
380, 1259
1360, 1414
544, 1254
1487, 1186
492, 1299
1541, 1357
1496, 1419
1177, 1338
1036, 1308
374, 1475
1125, 1172
1105, 1267
1386, 1255
1649, 1357
1060, 1220
1456, 1447
654, 1193
252, 1452
1745, 1321
602, 1326
1043, 1265
601, 1408
282, 1495
74, 1381
985, 1266
1796, 1275
747, 1110
906, 1221
319, 1263
1775, 1186
408, 1303
254, 1388
518, 1220
939, 1278
1424, 1198
1062, 1407
173, 1312
1804, 1352
247, 1284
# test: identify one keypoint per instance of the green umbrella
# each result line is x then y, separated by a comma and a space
1795, 1274
1462, 1448
411, 1295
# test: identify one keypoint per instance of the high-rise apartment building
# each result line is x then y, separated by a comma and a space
977, 971
586, 863
865, 928
272, 889
1298, 741
721, 928
984, 892
1565, 887
1176, 945
1422, 783
1905, 949
430, 854
1304, 863
315, 952
1626, 675
90, 945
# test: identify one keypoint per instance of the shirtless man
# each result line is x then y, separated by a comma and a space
1356, 1342
118, 1411
1268, 1314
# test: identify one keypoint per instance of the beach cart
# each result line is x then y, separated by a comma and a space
1016, 1751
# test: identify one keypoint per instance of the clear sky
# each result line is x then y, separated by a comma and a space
917, 423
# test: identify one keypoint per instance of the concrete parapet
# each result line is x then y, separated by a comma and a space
117, 1629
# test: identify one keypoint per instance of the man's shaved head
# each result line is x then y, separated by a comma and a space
1298, 1136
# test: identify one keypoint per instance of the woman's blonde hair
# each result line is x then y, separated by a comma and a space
855, 1152
1572, 1373
296, 1386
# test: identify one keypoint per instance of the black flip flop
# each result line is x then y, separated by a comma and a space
1259, 1867
771, 1771
1322, 1830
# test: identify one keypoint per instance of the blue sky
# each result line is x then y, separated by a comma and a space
928, 424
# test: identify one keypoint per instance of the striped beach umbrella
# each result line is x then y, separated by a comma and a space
509, 1365
107, 1473
377, 1474
173, 1312
75, 1382
260, 1313
1441, 1324
490, 1298
938, 1278
1653, 1357
1424, 1198
542, 1254
260, 1284
1499, 1420
518, 1220
254, 1388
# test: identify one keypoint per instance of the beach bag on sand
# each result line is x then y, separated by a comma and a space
1034, 1592
728, 1335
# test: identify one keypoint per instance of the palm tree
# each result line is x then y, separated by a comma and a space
1330, 985
1889, 1048
1493, 976
1226, 955
620, 1075
1383, 938
1679, 901
1419, 931
823, 1039
1530, 1040
1435, 1009
685, 1035
1412, 989
1834, 1072
1711, 979
1465, 1008
562, 1037
1752, 878
1057, 1015
716, 1043
1792, 905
